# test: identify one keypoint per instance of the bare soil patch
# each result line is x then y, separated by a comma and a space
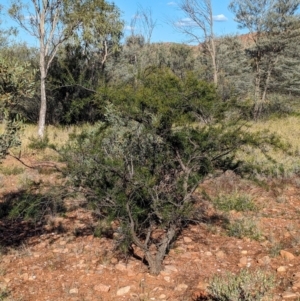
63, 260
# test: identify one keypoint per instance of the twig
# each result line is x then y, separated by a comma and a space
36, 166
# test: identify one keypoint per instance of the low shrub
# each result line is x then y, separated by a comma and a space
245, 286
235, 201
244, 227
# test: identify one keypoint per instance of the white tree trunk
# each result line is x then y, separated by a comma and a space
43, 107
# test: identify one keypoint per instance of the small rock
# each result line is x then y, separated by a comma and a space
187, 240
102, 288
282, 269
289, 295
287, 255
297, 275
25, 276
167, 278
202, 285
121, 267
170, 268
287, 234
36, 255
123, 290
208, 253
181, 287
162, 296
220, 254
73, 291
243, 261
114, 260
244, 252
264, 260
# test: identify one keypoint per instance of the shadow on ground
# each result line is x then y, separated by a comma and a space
23, 215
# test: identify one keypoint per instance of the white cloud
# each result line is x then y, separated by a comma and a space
127, 27
185, 22
172, 3
220, 18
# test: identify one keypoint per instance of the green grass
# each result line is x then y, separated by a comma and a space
235, 201
285, 165
11, 170
244, 227
288, 128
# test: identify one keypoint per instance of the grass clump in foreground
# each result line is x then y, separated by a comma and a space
245, 286
234, 201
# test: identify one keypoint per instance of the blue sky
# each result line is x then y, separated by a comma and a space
163, 11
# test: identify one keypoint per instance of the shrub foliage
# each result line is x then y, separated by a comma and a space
161, 137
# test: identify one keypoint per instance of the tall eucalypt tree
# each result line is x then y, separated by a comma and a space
199, 26
273, 24
53, 22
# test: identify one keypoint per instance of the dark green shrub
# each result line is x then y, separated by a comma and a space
142, 165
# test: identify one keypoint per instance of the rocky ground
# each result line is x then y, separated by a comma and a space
63, 260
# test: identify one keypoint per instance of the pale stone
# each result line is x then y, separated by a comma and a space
170, 268
25, 276
181, 287
73, 291
289, 295
102, 288
121, 267
282, 269
187, 240
208, 253
167, 278
297, 275
220, 254
264, 260
202, 285
123, 290
287, 255
244, 252
243, 261
194, 229
162, 296
114, 260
